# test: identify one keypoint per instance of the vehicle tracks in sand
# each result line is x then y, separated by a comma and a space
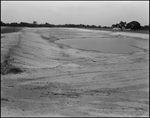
79, 83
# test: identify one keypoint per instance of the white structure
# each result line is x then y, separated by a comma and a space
116, 28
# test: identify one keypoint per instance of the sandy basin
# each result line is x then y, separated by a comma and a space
42, 78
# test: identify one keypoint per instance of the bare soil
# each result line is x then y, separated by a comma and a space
41, 78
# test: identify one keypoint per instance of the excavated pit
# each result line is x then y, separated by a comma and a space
45, 79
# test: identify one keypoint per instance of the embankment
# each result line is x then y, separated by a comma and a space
42, 78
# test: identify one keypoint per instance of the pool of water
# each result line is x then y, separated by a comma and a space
114, 45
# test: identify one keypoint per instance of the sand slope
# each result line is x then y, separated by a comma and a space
42, 78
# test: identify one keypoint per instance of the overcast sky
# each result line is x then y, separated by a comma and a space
104, 13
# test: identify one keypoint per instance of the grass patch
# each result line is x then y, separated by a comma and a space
10, 29
8, 69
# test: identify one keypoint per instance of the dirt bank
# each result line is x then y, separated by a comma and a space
42, 78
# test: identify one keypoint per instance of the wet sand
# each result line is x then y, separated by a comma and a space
42, 78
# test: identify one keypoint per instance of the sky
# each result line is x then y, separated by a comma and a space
104, 13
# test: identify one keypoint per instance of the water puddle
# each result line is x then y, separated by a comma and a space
114, 45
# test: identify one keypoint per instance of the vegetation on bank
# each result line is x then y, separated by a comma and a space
10, 29
131, 26
134, 25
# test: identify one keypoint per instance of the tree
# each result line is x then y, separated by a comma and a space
14, 24
104, 27
134, 25
145, 27
99, 26
25, 24
114, 25
122, 24
34, 22
2, 23
117, 25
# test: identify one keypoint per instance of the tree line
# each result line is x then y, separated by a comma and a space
35, 24
133, 25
